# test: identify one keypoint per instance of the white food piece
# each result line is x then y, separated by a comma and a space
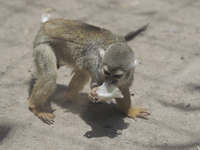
108, 92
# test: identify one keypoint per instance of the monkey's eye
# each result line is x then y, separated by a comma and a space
106, 72
118, 76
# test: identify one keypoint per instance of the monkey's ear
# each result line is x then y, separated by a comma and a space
102, 53
136, 62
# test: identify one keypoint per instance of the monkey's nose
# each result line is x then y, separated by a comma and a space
114, 82
111, 81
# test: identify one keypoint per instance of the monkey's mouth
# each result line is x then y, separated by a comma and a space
107, 92
111, 81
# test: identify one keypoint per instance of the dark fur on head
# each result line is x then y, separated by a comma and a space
118, 56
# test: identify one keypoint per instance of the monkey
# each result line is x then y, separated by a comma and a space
95, 54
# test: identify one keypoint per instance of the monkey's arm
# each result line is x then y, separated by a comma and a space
124, 104
96, 81
133, 34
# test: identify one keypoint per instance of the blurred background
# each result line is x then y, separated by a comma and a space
167, 82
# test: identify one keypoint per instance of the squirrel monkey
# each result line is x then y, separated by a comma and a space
92, 52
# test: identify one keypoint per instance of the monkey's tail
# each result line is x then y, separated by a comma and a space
131, 35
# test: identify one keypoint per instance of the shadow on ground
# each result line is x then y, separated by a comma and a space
4, 130
104, 119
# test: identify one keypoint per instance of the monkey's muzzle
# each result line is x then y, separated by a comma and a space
107, 92
111, 81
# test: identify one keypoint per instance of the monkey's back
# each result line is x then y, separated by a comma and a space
75, 37
77, 32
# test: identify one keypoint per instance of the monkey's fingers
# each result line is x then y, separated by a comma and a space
138, 112
143, 110
47, 117
94, 99
93, 96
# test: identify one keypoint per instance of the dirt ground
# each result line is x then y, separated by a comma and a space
167, 82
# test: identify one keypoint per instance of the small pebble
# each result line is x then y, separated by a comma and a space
188, 105
29, 70
118, 132
165, 143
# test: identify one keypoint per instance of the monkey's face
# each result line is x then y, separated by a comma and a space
116, 77
118, 64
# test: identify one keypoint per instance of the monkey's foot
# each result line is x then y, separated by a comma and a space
45, 114
138, 112
93, 96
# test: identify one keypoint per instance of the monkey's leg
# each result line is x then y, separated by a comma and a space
124, 104
45, 63
78, 81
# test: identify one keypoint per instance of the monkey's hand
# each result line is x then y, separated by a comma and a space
138, 112
93, 96
45, 114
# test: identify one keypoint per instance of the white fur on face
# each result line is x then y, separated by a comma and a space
119, 72
105, 68
102, 53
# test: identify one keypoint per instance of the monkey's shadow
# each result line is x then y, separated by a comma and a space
104, 119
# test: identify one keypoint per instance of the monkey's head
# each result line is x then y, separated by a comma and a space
118, 63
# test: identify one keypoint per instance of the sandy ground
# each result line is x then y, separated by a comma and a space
167, 82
